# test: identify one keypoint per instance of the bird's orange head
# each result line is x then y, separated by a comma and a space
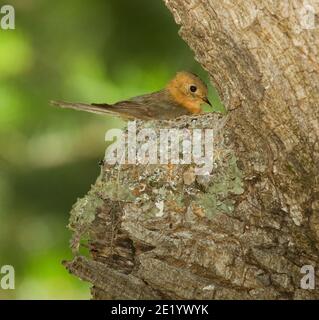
189, 91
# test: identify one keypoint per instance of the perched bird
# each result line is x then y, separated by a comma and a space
183, 95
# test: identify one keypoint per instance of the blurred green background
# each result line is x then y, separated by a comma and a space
88, 51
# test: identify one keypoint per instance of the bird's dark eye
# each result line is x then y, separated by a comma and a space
193, 88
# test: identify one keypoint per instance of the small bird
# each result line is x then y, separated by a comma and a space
183, 95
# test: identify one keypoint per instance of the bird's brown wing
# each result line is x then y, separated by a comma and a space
126, 109
157, 105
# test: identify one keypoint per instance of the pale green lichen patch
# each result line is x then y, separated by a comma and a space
84, 210
227, 181
81, 217
116, 190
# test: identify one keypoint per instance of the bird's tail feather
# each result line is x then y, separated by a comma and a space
94, 108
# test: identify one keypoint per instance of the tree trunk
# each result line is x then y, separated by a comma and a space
245, 231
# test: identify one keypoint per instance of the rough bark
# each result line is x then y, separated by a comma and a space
244, 232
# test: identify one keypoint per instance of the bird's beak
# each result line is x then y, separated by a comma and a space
207, 101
